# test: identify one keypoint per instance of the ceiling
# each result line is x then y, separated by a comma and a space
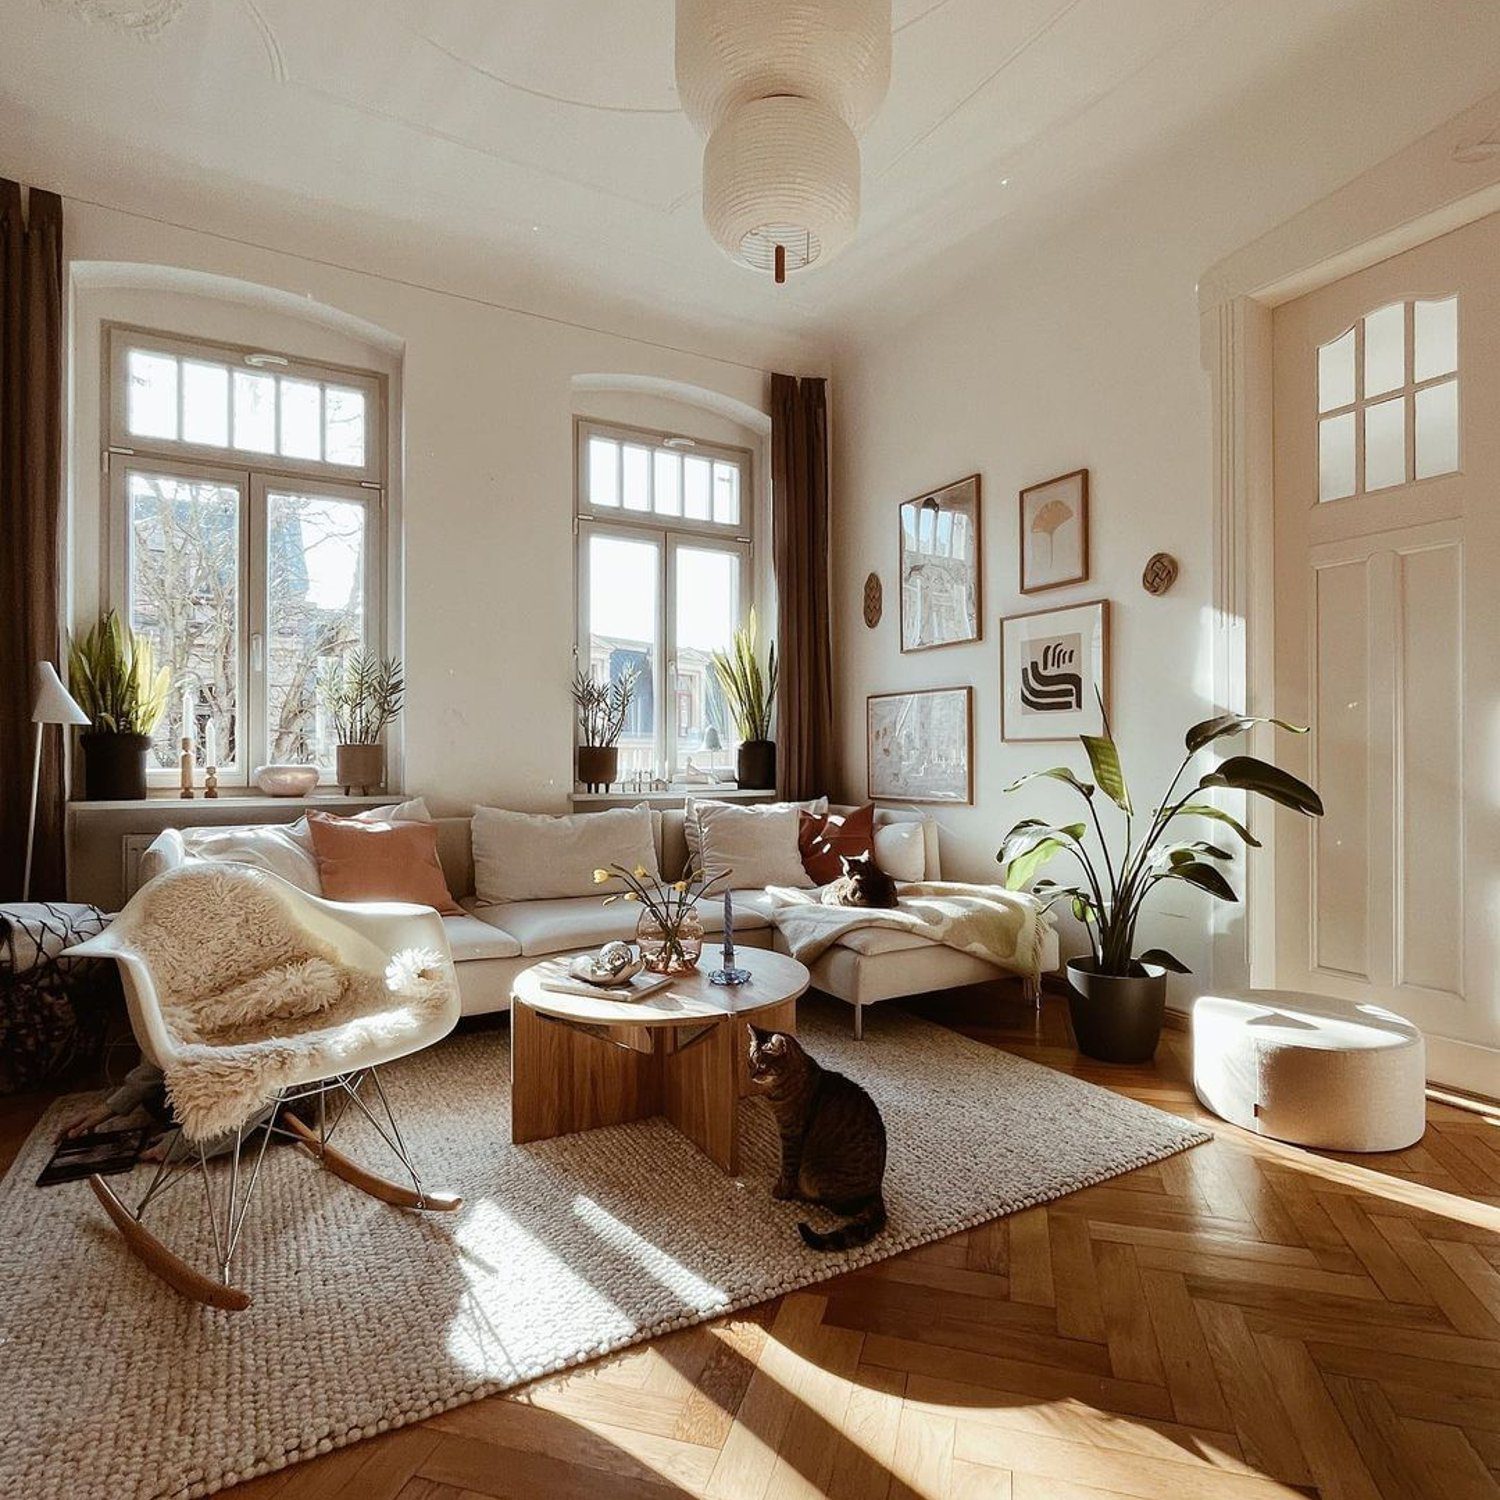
545, 134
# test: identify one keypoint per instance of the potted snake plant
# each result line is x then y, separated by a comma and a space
750, 692
113, 675
1117, 996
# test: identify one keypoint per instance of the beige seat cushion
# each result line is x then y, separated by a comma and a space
471, 940
569, 923
871, 941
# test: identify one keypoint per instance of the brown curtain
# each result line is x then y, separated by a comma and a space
799, 534
31, 377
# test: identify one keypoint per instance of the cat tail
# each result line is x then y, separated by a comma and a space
860, 1230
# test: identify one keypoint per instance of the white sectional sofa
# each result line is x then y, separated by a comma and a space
492, 944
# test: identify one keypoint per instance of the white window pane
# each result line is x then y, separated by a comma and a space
1385, 349
727, 494
344, 425
707, 611
254, 412
315, 615
1437, 429
1435, 348
622, 636
184, 591
667, 487
205, 403
604, 472
1336, 373
697, 484
301, 419
1385, 444
1335, 457
636, 477
151, 395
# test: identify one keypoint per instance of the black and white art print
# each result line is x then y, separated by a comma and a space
1054, 672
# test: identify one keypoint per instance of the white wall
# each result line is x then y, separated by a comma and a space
487, 458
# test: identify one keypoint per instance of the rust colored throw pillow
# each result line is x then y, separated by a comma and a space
824, 838
380, 862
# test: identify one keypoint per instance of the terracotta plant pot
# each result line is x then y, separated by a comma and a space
361, 766
114, 766
1117, 1018
598, 766
756, 764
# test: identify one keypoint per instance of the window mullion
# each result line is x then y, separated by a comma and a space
254, 662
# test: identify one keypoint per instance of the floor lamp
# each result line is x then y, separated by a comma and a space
53, 705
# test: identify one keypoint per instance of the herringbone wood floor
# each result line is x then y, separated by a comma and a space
1244, 1320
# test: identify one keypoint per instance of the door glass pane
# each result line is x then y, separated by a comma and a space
315, 616
1385, 444
636, 477
1336, 457
1336, 373
301, 419
254, 412
1385, 349
184, 593
697, 482
151, 394
707, 610
1435, 350
622, 636
604, 472
668, 486
1437, 429
727, 494
205, 403
343, 425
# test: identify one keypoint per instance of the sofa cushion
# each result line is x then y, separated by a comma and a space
472, 940
825, 840
694, 807
758, 844
561, 924
901, 850
535, 856
870, 942
359, 861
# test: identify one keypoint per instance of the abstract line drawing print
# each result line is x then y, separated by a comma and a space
1050, 678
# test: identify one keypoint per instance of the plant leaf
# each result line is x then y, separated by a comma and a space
1206, 877
1165, 959
1207, 810
1019, 871
1056, 773
1225, 724
1246, 773
1025, 836
1105, 760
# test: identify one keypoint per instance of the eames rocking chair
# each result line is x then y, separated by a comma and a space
267, 1009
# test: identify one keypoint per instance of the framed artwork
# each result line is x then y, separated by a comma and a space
1054, 672
919, 746
1055, 532
940, 564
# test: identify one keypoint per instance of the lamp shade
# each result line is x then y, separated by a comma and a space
54, 703
711, 740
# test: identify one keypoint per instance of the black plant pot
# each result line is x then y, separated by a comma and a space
114, 766
756, 764
1117, 1019
598, 766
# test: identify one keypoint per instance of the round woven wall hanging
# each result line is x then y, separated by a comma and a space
1160, 573
874, 600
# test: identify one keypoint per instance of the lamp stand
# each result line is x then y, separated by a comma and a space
36, 776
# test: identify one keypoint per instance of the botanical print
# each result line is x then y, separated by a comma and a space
1054, 668
940, 552
1055, 532
918, 745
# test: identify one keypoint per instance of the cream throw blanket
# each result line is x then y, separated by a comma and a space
1005, 928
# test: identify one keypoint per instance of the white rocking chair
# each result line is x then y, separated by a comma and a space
340, 1068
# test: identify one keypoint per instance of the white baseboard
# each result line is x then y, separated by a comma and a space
1464, 1065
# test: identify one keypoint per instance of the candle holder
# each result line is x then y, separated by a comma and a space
210, 781
730, 973
185, 769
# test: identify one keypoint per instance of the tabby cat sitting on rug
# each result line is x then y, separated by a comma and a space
832, 1139
863, 883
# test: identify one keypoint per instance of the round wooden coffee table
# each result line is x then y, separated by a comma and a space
578, 1062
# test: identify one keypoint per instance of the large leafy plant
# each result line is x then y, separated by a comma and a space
749, 690
1116, 884
112, 673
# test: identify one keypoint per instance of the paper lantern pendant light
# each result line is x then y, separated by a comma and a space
781, 88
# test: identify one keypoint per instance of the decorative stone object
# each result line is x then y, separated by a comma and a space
874, 600
1160, 573
286, 781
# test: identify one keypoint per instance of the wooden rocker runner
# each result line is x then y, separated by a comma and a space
325, 1069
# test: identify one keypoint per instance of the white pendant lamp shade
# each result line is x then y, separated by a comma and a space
781, 88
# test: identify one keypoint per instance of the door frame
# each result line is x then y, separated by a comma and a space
1448, 178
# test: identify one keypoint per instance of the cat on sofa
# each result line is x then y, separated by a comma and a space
863, 883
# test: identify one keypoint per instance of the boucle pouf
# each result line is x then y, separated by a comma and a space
1335, 1074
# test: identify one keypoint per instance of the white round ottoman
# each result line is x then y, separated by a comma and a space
1340, 1075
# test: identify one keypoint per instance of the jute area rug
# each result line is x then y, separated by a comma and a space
366, 1318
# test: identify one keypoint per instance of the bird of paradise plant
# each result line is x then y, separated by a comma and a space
669, 904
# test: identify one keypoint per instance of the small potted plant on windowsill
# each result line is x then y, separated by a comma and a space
1117, 997
363, 698
113, 675
750, 691
601, 709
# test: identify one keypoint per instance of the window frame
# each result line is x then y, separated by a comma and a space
254, 476
669, 534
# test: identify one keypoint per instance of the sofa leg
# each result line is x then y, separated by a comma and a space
859, 1022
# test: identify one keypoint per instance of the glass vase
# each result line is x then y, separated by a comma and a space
673, 949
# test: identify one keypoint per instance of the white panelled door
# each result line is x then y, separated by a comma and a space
1387, 475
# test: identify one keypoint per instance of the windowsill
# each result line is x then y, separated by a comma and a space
169, 801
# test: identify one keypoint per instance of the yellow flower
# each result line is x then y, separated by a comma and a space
680, 886
600, 876
640, 872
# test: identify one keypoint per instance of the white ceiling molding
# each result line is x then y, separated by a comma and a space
143, 19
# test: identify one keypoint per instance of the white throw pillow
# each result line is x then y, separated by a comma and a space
537, 857
901, 850
694, 806
757, 845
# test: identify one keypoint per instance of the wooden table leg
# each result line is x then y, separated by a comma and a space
699, 1093
564, 1079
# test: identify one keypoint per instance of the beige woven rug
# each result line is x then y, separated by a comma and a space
366, 1318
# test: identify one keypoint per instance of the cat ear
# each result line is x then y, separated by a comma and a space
844, 863
776, 1043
